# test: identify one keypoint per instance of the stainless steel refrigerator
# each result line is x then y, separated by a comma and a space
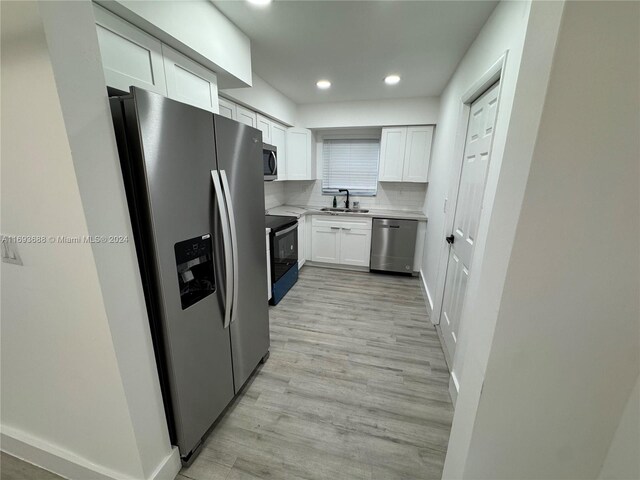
194, 185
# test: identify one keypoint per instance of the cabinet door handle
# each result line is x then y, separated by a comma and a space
335, 228
346, 229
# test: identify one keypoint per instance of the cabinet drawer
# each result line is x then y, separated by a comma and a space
341, 222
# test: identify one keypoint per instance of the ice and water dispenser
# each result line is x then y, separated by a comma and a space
196, 276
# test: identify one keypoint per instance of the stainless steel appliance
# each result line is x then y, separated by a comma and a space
270, 161
284, 254
194, 189
393, 245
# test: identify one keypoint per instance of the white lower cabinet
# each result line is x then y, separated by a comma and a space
325, 244
355, 246
341, 240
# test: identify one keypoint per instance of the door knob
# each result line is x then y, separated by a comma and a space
450, 239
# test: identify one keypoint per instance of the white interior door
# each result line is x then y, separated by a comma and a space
477, 153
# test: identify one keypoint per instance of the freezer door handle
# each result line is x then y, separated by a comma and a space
234, 242
228, 253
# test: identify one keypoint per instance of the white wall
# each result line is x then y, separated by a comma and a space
622, 461
197, 29
504, 31
80, 388
265, 99
553, 350
60, 379
370, 113
274, 194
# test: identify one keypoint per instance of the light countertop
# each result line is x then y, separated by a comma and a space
298, 211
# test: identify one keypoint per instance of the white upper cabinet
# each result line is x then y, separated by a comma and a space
264, 125
227, 108
405, 154
392, 147
246, 116
417, 154
279, 140
189, 82
129, 56
299, 163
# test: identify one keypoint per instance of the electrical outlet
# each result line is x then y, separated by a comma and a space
10, 252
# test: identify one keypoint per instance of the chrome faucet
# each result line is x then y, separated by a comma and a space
346, 203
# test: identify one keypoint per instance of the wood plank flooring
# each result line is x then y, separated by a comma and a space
12, 468
356, 387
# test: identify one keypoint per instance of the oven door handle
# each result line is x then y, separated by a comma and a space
287, 230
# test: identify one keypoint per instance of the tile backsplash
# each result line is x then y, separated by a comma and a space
274, 194
391, 195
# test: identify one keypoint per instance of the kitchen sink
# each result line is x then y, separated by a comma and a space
344, 210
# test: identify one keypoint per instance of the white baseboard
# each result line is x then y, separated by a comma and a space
454, 388
69, 465
169, 467
427, 297
337, 266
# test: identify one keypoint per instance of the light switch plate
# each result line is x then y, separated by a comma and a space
10, 252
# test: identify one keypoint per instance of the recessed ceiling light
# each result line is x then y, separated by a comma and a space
323, 84
392, 79
260, 3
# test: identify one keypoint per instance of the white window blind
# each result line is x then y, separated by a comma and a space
350, 164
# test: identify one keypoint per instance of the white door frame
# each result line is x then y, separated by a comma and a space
493, 74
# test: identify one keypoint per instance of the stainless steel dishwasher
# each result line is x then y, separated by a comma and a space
393, 245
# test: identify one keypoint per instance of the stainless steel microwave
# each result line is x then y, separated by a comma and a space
270, 161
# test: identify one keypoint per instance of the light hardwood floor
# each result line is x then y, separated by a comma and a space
12, 468
356, 387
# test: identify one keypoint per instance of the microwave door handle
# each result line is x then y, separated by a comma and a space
234, 243
272, 162
226, 238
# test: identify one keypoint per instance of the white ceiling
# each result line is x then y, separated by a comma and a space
355, 44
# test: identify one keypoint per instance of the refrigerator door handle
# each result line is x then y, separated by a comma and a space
228, 253
234, 242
